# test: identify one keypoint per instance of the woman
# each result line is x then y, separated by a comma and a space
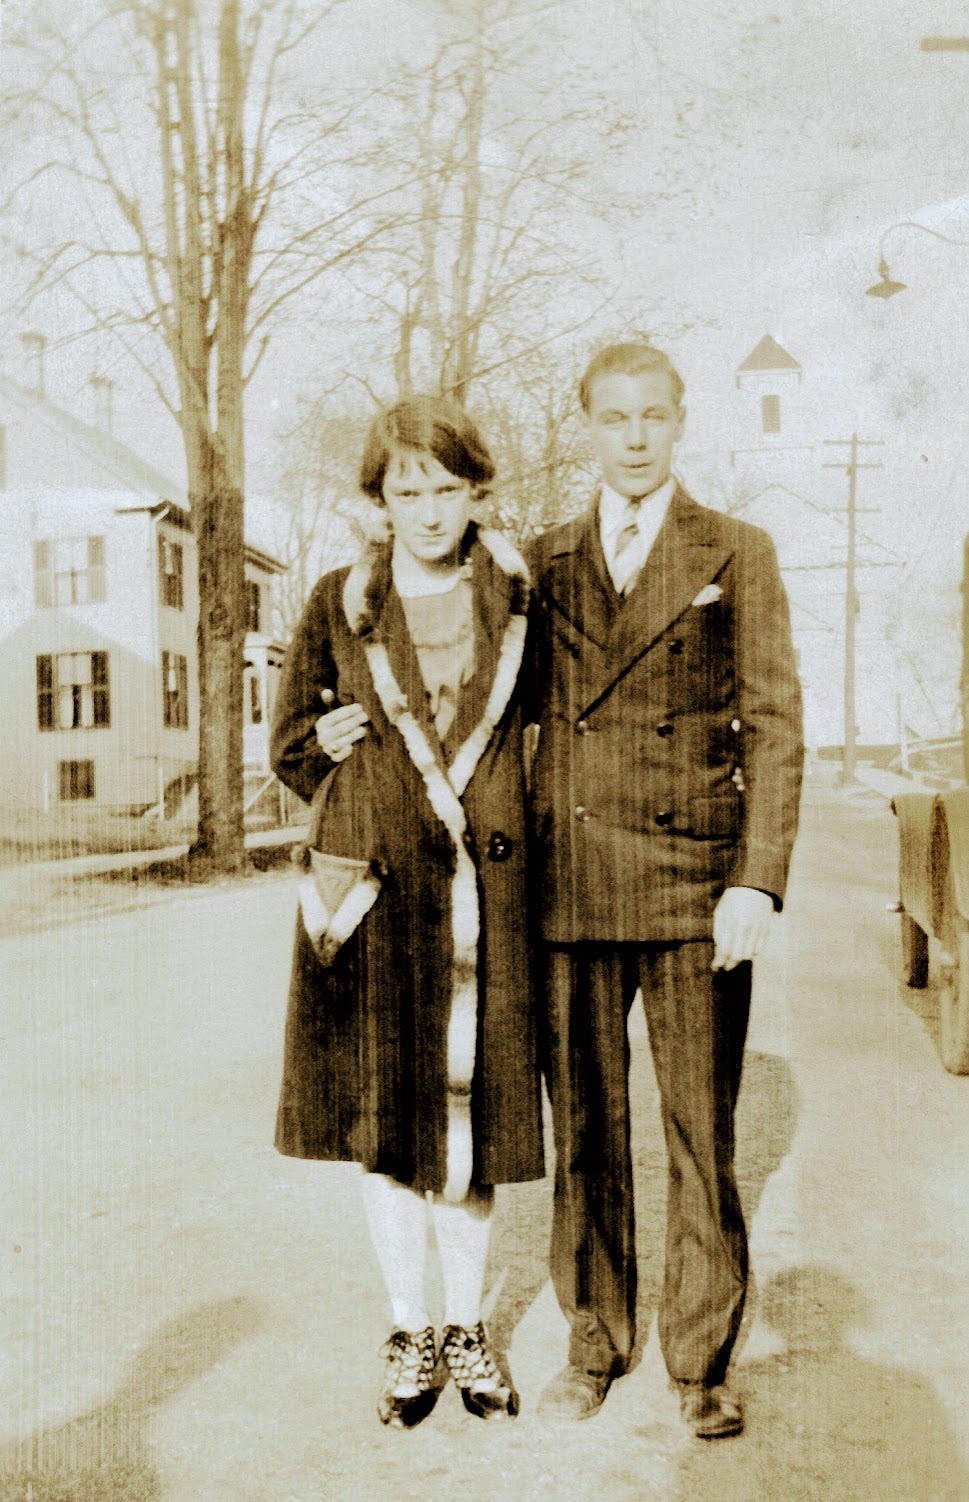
410, 1039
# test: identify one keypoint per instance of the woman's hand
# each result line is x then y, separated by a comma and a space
339, 729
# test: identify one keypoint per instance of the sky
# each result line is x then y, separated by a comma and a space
774, 145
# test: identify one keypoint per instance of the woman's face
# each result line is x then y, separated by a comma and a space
429, 507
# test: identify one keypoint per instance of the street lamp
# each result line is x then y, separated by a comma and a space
885, 286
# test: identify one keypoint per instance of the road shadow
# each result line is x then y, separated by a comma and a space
766, 1120
517, 1268
518, 1257
104, 1455
823, 1423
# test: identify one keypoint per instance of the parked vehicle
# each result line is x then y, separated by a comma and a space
933, 833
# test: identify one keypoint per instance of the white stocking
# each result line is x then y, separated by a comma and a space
462, 1241
397, 1218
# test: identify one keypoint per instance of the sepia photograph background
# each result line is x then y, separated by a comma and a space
232, 231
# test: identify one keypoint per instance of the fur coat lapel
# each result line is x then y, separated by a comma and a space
500, 585
374, 614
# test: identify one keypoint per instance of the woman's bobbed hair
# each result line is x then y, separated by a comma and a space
425, 424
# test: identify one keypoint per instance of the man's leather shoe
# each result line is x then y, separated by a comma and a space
710, 1412
573, 1394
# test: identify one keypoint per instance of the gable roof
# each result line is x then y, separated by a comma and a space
768, 355
115, 457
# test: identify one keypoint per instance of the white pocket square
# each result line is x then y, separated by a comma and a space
708, 594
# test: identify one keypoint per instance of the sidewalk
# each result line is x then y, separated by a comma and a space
188, 1317
36, 893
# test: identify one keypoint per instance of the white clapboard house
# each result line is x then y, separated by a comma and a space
98, 615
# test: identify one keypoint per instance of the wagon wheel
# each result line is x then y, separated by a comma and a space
915, 953
954, 1002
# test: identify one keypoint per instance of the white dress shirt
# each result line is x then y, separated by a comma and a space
616, 511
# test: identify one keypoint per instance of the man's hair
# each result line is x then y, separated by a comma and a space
425, 425
628, 359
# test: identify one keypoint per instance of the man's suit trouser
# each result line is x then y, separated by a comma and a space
697, 1021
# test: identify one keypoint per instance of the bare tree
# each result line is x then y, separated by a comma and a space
503, 214
317, 518
207, 205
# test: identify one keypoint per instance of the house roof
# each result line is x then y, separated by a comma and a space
132, 472
768, 355
115, 457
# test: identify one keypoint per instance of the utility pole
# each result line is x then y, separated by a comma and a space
854, 443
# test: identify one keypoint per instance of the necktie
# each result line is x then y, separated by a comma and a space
626, 560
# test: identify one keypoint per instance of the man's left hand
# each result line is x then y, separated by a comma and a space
741, 921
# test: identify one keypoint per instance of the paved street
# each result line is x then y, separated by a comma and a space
189, 1317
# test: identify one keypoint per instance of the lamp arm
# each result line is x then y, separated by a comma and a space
913, 224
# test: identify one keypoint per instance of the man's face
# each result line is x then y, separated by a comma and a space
634, 423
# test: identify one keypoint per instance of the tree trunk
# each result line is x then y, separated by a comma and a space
218, 509
217, 513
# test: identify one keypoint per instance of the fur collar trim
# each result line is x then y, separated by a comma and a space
365, 587
369, 579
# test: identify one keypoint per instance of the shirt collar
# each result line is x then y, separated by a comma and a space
614, 508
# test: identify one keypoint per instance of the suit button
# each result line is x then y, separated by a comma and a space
676, 647
499, 846
582, 727
582, 814
664, 817
664, 728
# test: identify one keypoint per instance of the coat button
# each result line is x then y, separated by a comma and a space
664, 817
582, 727
499, 846
676, 647
582, 814
664, 728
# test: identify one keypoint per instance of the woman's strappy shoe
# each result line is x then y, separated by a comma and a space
482, 1387
409, 1392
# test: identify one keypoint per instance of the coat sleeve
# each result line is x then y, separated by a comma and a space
769, 698
309, 669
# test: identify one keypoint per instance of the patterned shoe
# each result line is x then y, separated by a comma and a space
409, 1392
483, 1390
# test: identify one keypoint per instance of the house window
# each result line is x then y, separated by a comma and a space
73, 692
170, 573
770, 414
76, 780
175, 690
253, 606
69, 571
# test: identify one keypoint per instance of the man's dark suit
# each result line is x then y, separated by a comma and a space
668, 768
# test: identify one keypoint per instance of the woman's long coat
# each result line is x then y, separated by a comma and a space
425, 1019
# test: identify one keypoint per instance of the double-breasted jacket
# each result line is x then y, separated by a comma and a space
669, 754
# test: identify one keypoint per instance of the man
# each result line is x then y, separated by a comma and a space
666, 786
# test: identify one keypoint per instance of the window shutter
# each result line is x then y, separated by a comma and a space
183, 693
43, 580
96, 577
101, 687
45, 692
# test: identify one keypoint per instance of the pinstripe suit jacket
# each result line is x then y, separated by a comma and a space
669, 755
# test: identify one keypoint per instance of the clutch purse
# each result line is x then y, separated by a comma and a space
335, 896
